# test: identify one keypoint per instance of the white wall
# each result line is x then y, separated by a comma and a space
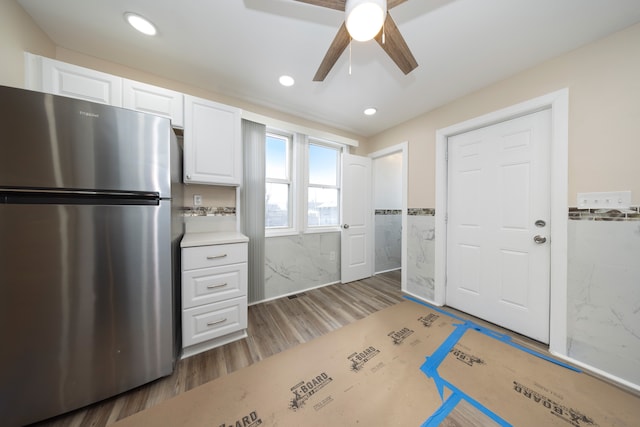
387, 182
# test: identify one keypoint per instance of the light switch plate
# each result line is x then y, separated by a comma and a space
605, 200
197, 200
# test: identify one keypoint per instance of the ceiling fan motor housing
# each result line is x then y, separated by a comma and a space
364, 18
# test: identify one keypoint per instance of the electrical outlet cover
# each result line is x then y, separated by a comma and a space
605, 200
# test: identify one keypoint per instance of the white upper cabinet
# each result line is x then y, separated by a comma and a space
60, 78
155, 100
212, 131
70, 80
212, 143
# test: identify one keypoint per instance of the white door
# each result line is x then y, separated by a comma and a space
357, 231
498, 248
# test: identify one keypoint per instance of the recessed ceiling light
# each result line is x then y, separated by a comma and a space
286, 81
370, 111
140, 23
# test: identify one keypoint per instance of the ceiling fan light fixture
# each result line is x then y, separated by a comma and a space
364, 18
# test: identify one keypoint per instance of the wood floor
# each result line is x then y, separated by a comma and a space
274, 326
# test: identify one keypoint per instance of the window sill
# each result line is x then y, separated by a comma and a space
280, 233
290, 232
322, 230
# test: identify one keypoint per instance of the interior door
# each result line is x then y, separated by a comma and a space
357, 228
498, 249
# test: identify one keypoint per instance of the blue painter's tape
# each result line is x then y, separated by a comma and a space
498, 336
430, 367
443, 411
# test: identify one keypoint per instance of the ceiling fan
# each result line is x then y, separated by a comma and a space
384, 31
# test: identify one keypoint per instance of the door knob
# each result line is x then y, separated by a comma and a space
539, 239
345, 226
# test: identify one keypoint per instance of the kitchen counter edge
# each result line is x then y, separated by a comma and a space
190, 240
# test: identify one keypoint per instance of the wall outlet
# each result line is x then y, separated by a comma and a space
197, 200
332, 256
606, 200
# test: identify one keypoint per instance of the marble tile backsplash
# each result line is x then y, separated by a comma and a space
208, 211
631, 214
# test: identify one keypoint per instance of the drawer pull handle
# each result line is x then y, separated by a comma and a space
217, 322
216, 256
216, 286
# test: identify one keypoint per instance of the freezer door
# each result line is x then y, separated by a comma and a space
50, 141
86, 307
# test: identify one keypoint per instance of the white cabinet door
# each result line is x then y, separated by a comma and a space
69, 80
153, 99
212, 143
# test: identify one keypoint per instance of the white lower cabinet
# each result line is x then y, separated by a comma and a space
206, 323
214, 296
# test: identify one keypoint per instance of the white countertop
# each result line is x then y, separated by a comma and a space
212, 238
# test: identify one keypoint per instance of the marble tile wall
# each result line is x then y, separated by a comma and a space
603, 288
299, 262
603, 328
388, 229
421, 252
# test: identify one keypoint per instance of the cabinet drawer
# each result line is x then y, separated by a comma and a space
213, 320
213, 255
207, 285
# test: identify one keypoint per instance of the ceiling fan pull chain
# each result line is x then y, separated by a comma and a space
350, 42
383, 38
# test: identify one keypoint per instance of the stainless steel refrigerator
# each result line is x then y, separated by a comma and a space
89, 233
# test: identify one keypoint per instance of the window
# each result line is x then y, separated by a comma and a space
277, 199
322, 191
302, 184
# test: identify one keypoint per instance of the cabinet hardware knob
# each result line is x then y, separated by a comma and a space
217, 322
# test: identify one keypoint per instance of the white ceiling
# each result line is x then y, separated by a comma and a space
239, 48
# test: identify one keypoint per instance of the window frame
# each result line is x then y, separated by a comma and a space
299, 184
291, 181
307, 185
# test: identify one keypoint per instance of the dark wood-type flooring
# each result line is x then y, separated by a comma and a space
274, 326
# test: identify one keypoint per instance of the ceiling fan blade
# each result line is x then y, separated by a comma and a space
331, 4
396, 47
393, 3
338, 45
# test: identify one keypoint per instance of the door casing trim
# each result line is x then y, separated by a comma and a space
558, 102
402, 148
